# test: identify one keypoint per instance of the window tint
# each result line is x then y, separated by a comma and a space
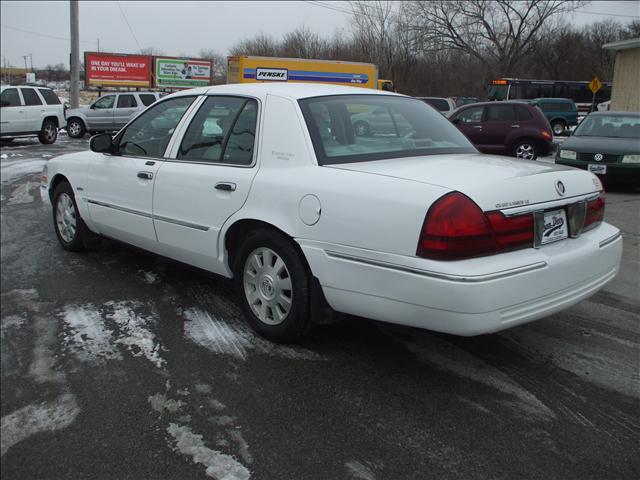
500, 113
239, 149
30, 96
149, 134
471, 115
147, 98
523, 114
105, 102
49, 96
546, 91
437, 103
207, 134
530, 91
345, 129
10, 98
127, 101
556, 107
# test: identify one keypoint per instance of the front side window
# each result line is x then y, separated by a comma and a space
221, 123
147, 98
30, 96
149, 134
471, 115
49, 96
500, 113
357, 128
105, 102
10, 98
127, 101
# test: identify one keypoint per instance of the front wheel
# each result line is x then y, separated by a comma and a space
66, 219
49, 132
76, 128
526, 149
272, 282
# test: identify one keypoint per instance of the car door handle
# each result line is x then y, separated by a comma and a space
145, 175
226, 186
515, 126
478, 127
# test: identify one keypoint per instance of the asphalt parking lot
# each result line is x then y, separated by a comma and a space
117, 364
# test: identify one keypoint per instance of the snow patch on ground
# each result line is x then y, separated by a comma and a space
21, 195
44, 417
159, 402
13, 321
361, 471
149, 277
13, 170
229, 338
218, 465
89, 338
136, 336
243, 446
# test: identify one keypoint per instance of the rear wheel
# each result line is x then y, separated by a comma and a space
361, 129
526, 149
76, 128
558, 127
66, 219
48, 133
273, 285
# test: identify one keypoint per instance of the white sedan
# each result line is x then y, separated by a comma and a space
270, 185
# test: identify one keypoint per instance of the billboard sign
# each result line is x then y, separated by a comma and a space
181, 72
117, 70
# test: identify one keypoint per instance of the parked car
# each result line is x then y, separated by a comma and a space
29, 111
444, 105
460, 101
604, 106
374, 121
562, 113
415, 228
108, 113
607, 144
511, 128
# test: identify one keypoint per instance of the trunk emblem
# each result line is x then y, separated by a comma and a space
598, 157
560, 187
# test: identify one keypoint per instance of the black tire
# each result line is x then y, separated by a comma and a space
76, 128
526, 149
558, 127
69, 242
361, 129
48, 133
297, 320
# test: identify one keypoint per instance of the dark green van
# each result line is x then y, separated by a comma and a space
561, 113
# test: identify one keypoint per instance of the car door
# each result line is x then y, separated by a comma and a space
34, 109
469, 122
120, 185
126, 108
13, 116
207, 181
498, 126
100, 114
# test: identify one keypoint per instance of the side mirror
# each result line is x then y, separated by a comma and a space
101, 143
92, 106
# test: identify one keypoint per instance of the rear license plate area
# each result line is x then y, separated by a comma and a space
597, 168
551, 226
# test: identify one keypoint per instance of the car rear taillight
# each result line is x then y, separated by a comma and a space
546, 135
595, 213
456, 228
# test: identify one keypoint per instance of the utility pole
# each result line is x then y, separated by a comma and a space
25, 63
98, 44
31, 60
74, 92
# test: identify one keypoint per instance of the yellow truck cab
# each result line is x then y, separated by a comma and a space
250, 69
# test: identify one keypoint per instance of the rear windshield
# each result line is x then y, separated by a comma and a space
360, 128
618, 126
437, 103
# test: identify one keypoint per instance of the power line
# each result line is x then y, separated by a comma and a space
41, 34
608, 14
128, 25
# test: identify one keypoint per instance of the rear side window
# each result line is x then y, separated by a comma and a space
147, 98
437, 103
523, 114
500, 113
10, 98
127, 101
49, 96
556, 107
30, 96
239, 149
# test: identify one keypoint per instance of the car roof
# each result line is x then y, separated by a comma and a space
553, 99
500, 102
294, 91
614, 113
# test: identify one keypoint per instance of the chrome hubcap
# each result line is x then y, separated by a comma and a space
49, 132
74, 128
66, 217
267, 286
558, 129
525, 151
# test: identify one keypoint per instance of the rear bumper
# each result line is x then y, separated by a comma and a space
467, 297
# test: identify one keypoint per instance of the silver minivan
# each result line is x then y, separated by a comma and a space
109, 113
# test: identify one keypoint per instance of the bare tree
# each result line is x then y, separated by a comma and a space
151, 51
261, 45
219, 64
499, 32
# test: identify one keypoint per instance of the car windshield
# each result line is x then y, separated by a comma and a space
497, 92
358, 128
617, 126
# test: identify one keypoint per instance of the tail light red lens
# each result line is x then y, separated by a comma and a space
595, 212
456, 228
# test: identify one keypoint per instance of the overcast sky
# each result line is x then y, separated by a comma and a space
42, 28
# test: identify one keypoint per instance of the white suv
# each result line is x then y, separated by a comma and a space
108, 113
30, 111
